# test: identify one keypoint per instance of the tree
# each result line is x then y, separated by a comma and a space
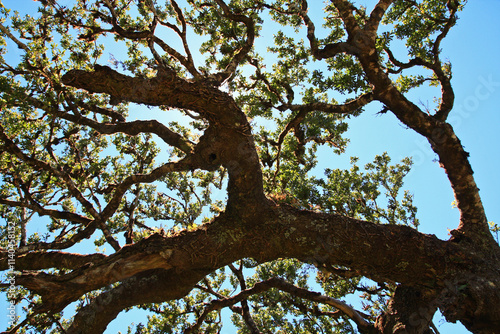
212, 200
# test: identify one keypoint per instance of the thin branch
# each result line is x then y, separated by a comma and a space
247, 317
315, 310
188, 61
20, 44
329, 108
311, 29
210, 290
303, 110
134, 35
242, 53
189, 65
260, 76
12, 148
402, 66
447, 94
98, 110
329, 50
282, 285
109, 236
134, 128
185, 164
66, 215
183, 36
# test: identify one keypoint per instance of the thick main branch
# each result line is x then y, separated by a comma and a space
269, 233
166, 89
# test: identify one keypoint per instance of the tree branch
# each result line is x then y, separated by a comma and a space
304, 109
182, 34
376, 16
242, 53
345, 9
66, 215
282, 285
311, 29
329, 50
188, 163
45, 260
134, 128
166, 89
329, 108
12, 148
403, 314
371, 249
115, 116
20, 44
247, 317
186, 62
447, 94
441, 136
58, 291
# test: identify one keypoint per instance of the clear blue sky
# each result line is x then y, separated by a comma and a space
473, 47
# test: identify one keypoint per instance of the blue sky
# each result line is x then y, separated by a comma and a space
472, 46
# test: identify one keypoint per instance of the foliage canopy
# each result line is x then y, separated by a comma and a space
183, 141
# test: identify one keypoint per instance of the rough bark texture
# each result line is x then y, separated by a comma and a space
409, 312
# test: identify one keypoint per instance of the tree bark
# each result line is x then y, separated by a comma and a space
432, 273
410, 312
460, 276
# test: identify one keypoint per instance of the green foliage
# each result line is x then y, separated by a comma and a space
65, 164
418, 24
